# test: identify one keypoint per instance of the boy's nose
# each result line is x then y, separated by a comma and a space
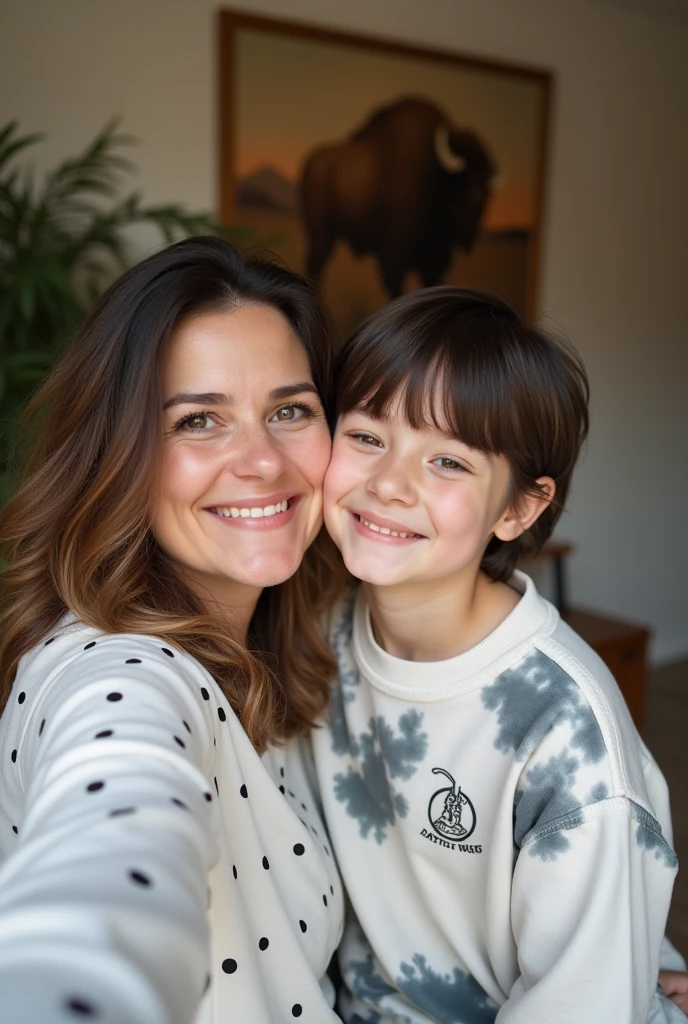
393, 482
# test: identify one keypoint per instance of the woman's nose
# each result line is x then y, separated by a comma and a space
254, 453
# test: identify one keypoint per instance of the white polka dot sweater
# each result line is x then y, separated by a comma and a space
154, 869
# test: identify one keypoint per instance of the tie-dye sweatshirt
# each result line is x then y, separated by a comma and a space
502, 831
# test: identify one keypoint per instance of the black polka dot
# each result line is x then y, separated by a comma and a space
326, 850
179, 803
229, 966
304, 807
15, 830
221, 714
112, 697
41, 728
167, 651
209, 797
314, 830
140, 879
234, 871
324, 899
282, 772
296, 1010
299, 849
186, 726
332, 890
281, 789
244, 792
216, 786
102, 735
13, 755
120, 811
290, 793
93, 787
133, 661
80, 1008
49, 641
204, 693
89, 646
181, 743
266, 863
303, 926
263, 943
21, 698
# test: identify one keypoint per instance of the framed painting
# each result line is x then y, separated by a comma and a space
377, 167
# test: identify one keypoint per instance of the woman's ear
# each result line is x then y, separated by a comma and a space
517, 519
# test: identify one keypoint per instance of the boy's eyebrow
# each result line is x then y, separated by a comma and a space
218, 398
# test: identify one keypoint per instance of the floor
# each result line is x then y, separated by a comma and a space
666, 734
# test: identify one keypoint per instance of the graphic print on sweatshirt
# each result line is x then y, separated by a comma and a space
544, 718
381, 753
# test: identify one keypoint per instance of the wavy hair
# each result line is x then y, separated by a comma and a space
76, 535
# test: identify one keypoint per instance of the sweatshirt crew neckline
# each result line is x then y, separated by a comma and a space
437, 680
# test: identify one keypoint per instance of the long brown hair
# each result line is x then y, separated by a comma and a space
76, 536
464, 361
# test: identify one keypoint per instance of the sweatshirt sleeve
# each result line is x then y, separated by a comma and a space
590, 897
103, 900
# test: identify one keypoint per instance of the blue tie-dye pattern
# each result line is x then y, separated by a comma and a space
381, 752
649, 835
368, 794
455, 998
534, 697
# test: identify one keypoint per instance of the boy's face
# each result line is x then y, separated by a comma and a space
409, 506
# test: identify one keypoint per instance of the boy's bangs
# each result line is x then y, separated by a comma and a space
433, 394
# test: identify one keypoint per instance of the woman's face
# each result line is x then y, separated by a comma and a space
246, 446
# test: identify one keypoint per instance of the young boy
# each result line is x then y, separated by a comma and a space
502, 831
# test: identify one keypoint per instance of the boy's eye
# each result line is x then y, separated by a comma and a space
445, 462
364, 438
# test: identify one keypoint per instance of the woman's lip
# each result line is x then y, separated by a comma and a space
271, 522
260, 502
384, 524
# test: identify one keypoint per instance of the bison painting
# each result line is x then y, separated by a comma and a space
407, 187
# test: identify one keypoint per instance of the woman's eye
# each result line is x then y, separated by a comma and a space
293, 412
444, 462
196, 421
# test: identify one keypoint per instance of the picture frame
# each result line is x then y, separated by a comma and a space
378, 167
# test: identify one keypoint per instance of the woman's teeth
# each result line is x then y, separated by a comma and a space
231, 512
383, 529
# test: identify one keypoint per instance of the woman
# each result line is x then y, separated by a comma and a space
147, 680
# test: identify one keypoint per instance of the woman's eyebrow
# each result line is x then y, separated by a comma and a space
217, 398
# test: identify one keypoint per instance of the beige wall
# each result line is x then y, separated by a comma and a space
615, 273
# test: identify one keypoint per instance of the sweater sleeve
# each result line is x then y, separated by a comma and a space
103, 900
590, 897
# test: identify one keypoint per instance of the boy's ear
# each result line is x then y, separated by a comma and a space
516, 520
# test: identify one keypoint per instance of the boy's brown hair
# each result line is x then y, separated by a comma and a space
465, 362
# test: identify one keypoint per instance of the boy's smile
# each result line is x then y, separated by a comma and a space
410, 507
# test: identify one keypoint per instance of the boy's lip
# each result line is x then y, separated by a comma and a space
383, 523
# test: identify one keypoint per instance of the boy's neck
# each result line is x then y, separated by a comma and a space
438, 620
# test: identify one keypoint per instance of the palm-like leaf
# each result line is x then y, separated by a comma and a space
60, 244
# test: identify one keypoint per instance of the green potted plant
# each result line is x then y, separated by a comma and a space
61, 243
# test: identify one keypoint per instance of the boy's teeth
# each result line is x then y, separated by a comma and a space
385, 530
231, 511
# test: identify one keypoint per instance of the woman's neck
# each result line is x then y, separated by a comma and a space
438, 620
